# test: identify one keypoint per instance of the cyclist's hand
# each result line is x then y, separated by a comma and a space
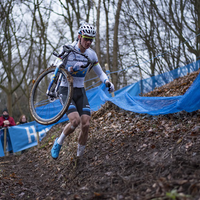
110, 86
78, 66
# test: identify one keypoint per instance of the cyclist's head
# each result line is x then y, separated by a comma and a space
87, 30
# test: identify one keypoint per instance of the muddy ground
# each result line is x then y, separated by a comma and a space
128, 156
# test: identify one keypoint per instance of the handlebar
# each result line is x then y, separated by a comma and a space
67, 50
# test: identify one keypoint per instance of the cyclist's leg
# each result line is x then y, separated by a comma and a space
85, 124
79, 107
72, 113
74, 121
84, 111
83, 135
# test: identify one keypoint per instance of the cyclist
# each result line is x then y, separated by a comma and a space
79, 109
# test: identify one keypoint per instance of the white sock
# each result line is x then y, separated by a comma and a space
80, 150
61, 138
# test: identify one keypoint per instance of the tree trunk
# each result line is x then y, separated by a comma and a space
107, 34
98, 51
198, 29
115, 44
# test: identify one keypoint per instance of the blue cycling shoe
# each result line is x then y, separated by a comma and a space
55, 149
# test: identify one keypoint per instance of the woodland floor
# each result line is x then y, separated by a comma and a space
128, 156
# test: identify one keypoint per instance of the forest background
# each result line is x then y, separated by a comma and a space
136, 38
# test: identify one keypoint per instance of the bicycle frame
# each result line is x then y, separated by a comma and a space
58, 63
54, 94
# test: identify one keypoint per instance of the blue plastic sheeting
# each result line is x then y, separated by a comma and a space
149, 105
26, 136
189, 102
1, 151
9, 145
1, 146
127, 98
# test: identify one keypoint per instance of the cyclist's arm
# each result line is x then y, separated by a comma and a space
100, 73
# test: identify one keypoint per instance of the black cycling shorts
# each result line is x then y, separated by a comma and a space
79, 101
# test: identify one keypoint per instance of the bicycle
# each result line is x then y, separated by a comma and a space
45, 102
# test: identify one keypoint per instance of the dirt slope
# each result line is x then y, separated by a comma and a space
128, 156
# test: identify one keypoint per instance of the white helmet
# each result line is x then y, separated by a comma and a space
87, 29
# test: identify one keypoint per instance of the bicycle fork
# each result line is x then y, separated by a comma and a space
53, 94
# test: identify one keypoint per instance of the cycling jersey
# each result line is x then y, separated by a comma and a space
79, 76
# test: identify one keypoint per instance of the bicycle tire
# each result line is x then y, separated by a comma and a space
46, 110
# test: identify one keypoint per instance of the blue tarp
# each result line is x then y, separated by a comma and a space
128, 98
1, 146
24, 136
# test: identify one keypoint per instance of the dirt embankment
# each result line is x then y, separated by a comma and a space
128, 156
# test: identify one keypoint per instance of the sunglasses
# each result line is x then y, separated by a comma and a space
86, 38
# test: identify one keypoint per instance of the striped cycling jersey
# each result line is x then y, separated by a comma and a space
79, 76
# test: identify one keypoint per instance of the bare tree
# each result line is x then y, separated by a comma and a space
115, 44
24, 48
106, 8
179, 16
97, 28
157, 47
13, 69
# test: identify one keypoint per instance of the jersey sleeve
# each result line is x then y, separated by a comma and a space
100, 73
98, 70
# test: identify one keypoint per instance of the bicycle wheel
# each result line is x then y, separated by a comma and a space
44, 108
